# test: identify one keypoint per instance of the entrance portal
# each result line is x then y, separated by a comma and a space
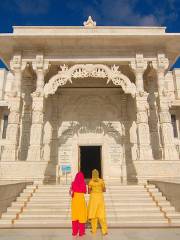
90, 158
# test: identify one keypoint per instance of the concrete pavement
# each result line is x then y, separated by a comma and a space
114, 234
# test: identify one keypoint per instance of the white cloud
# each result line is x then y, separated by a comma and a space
119, 12
27, 7
149, 20
129, 12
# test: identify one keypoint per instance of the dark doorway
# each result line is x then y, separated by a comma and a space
90, 158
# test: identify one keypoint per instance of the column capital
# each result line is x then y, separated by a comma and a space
41, 67
40, 64
161, 63
17, 64
138, 64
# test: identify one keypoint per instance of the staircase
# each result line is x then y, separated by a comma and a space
41, 206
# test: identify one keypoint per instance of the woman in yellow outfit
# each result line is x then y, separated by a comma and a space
78, 205
96, 206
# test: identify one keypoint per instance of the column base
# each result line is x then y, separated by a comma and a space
34, 154
9, 153
145, 153
142, 181
170, 153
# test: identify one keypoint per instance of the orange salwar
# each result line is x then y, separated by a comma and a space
78, 205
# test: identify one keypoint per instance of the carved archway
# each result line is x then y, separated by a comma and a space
89, 70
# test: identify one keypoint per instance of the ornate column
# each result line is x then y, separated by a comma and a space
26, 119
143, 134
166, 130
10, 152
35, 153
125, 143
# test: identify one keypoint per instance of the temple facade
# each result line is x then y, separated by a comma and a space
87, 97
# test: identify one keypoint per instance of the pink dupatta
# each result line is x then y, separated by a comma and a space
78, 185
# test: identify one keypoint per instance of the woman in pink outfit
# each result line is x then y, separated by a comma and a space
78, 205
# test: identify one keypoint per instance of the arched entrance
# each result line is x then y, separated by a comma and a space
89, 117
89, 70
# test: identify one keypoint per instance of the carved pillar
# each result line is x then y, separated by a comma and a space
10, 152
35, 152
125, 138
154, 120
166, 130
144, 146
25, 121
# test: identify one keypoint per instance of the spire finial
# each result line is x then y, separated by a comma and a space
90, 22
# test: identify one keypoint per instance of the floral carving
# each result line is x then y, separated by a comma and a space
89, 70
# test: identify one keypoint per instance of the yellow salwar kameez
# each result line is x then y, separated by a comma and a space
79, 208
96, 206
78, 205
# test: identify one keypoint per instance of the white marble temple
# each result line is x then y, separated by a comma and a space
90, 86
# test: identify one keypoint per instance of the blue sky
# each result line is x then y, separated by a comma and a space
105, 12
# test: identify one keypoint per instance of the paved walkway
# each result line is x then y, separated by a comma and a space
114, 234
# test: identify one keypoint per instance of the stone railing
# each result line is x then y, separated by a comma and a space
9, 193
170, 190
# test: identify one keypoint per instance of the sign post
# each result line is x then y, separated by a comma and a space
66, 169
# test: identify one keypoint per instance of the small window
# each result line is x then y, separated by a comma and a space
5, 124
174, 125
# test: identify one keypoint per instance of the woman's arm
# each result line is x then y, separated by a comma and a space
85, 189
71, 193
89, 187
89, 190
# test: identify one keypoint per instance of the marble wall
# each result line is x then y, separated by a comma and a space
88, 117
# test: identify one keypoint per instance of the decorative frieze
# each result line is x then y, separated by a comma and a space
89, 70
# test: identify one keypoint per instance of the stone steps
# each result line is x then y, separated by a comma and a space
65, 205
107, 186
68, 216
65, 224
128, 206
121, 204
139, 209
122, 200
107, 195
109, 213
